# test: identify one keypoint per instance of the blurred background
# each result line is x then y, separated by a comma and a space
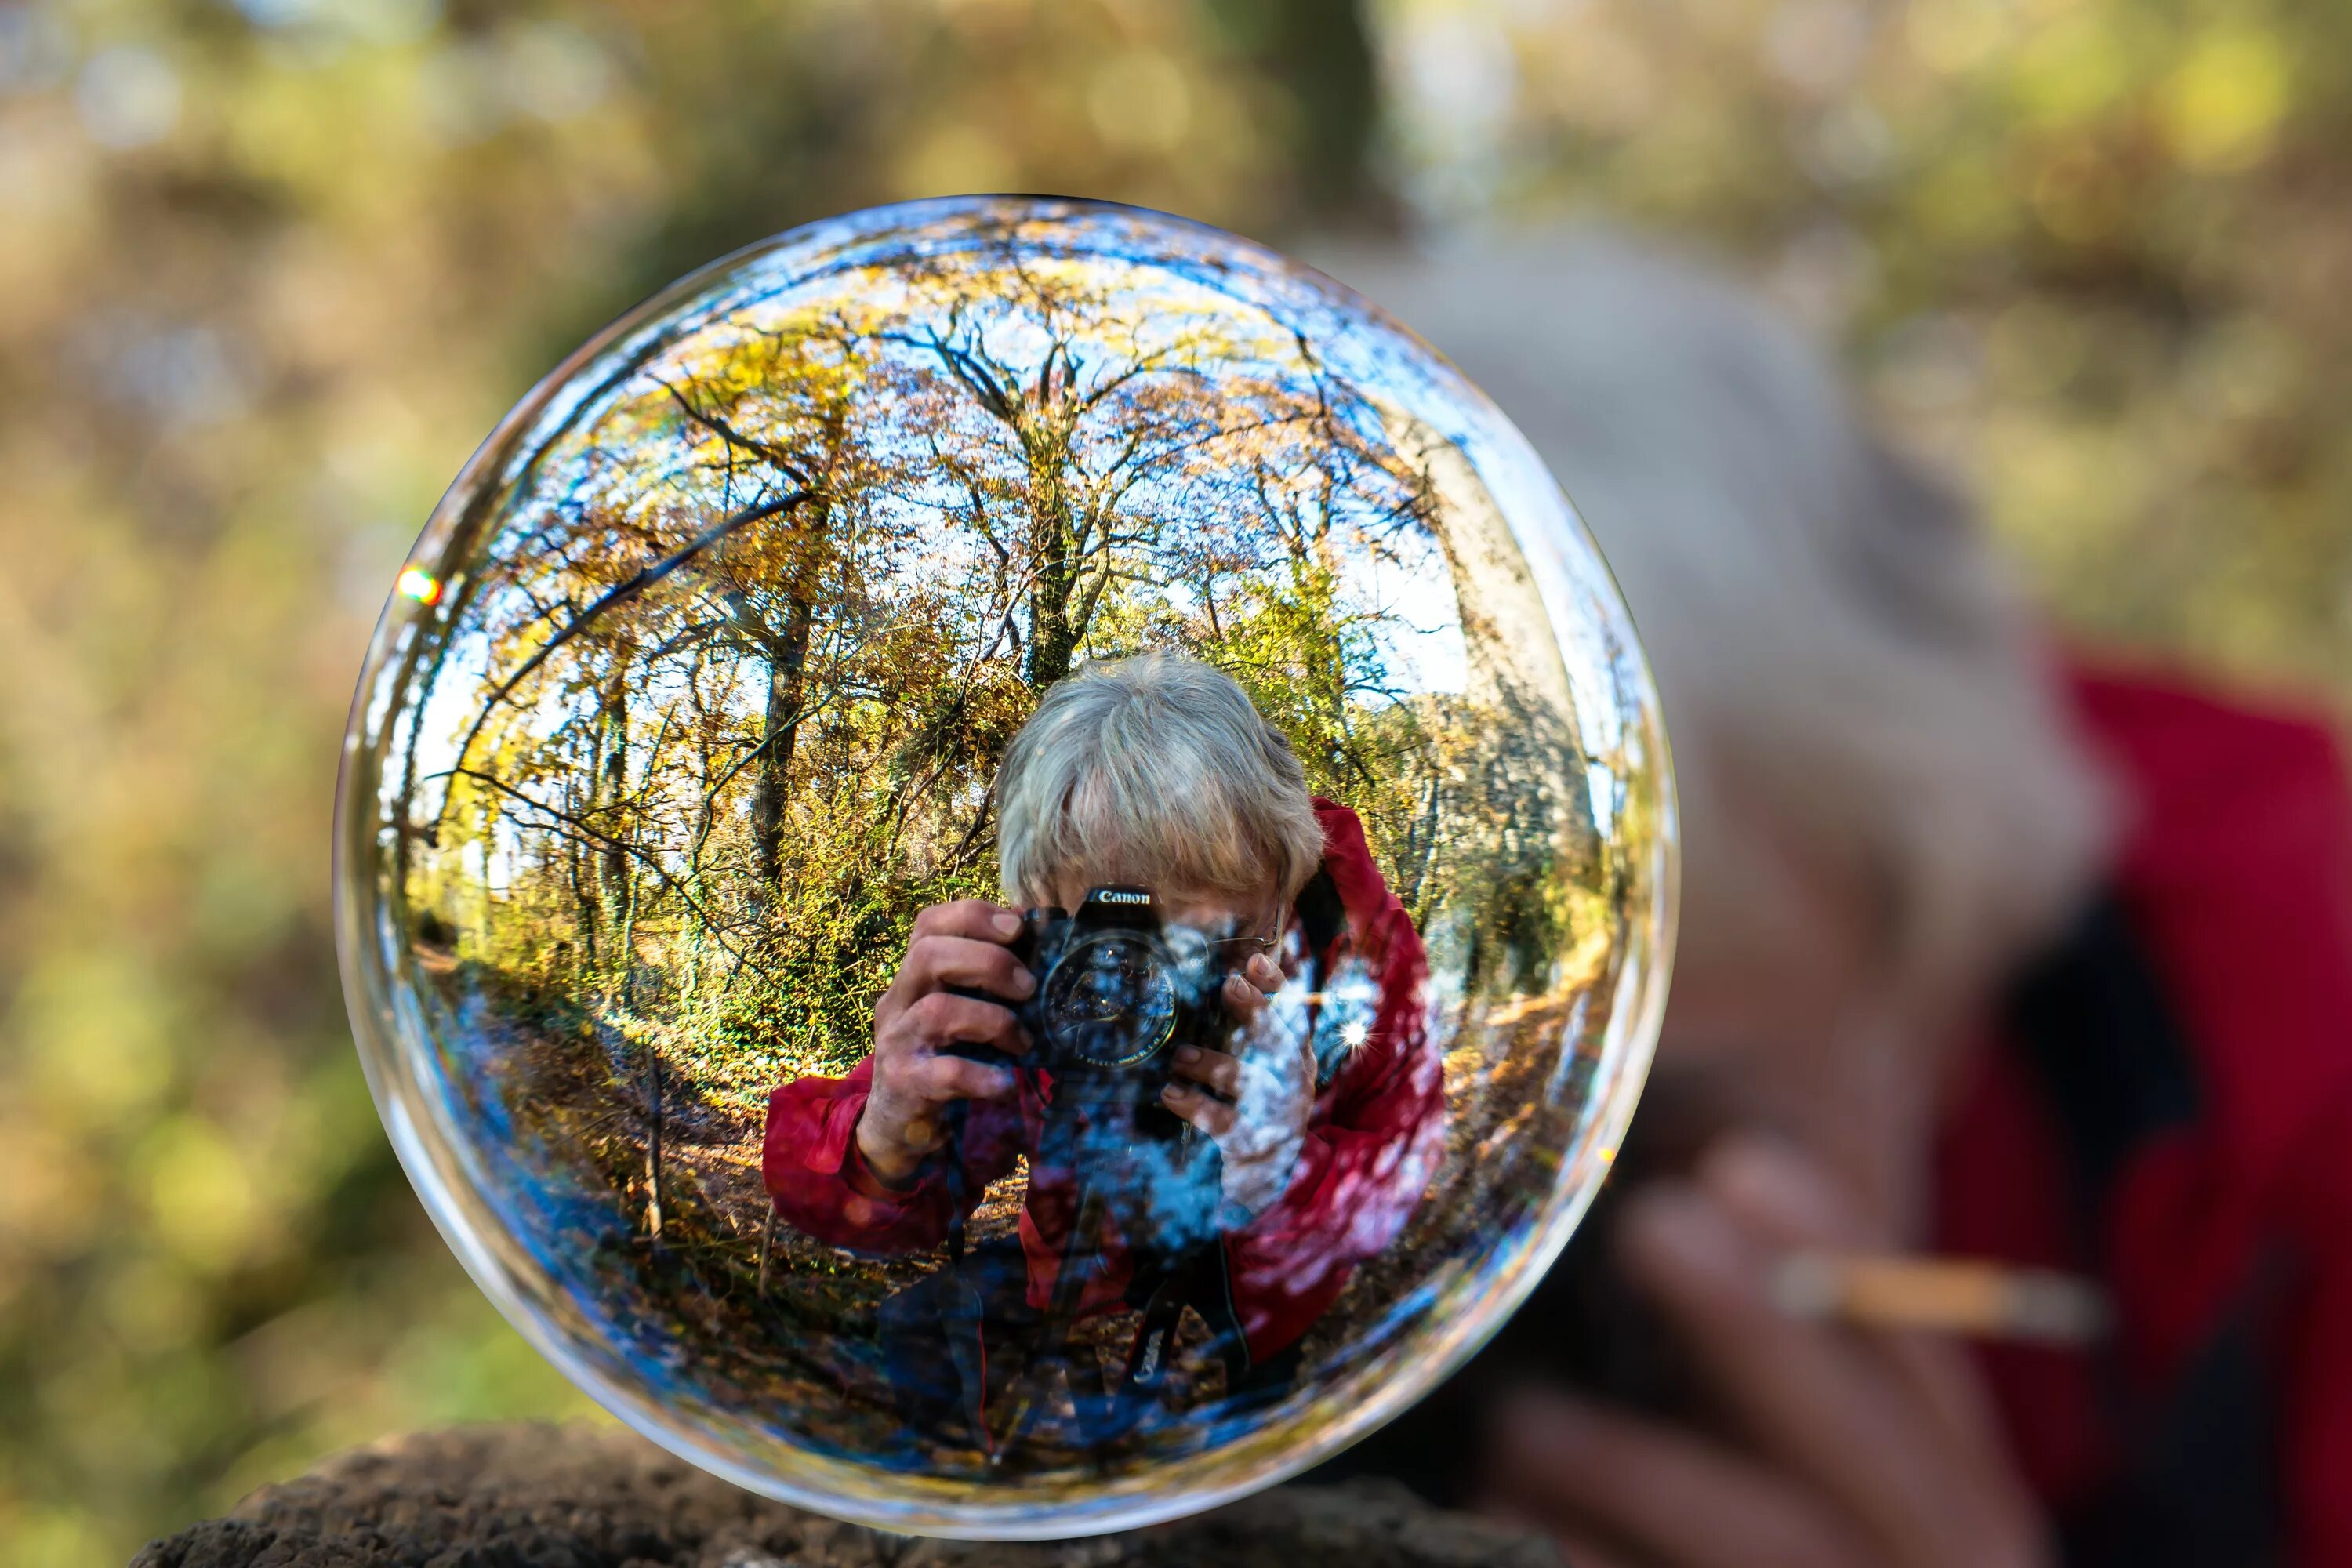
268, 271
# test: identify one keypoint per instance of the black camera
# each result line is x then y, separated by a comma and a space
1119, 989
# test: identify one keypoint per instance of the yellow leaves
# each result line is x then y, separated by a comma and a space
1140, 101
2221, 108
94, 1037
50, 191
2066, 493
2079, 195
201, 1192
1962, 201
2246, 369
2033, 348
954, 158
153, 1302
49, 1190
50, 1536
984, 19
2217, 100
1955, 35
2078, 66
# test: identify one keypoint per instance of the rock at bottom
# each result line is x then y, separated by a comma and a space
580, 1496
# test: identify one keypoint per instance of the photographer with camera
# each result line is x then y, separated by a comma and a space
1202, 1124
1993, 964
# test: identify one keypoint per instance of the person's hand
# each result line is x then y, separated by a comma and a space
1849, 1447
961, 944
1264, 1093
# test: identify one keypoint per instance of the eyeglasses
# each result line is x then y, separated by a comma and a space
1237, 951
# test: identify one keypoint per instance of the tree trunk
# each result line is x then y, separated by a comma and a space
780, 735
1052, 639
787, 655
612, 785
585, 911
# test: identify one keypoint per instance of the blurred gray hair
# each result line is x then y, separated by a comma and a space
1843, 665
1155, 770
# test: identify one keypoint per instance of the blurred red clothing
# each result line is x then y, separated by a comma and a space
1372, 1143
2236, 881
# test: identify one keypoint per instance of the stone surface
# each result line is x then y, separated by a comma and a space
578, 1497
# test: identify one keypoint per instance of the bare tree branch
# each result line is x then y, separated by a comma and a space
621, 593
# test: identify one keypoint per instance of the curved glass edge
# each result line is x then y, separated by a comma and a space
1371, 1394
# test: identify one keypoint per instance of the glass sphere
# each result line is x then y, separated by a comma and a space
1004, 867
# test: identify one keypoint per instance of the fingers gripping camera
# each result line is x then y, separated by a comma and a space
1137, 1023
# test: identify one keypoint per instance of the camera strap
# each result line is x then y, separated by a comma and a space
1153, 1349
959, 1181
1199, 1279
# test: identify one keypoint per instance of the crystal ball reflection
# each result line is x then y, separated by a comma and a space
1004, 867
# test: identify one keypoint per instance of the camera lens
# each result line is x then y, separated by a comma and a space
1112, 1000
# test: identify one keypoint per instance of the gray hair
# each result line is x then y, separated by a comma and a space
1842, 662
1155, 770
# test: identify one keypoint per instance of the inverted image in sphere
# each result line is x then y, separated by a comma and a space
1006, 867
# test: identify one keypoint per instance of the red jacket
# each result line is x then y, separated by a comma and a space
2236, 878
1372, 1143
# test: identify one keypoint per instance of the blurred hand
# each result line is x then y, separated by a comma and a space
961, 944
1264, 1095
1853, 1446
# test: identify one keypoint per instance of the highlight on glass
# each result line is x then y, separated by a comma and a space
1006, 867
